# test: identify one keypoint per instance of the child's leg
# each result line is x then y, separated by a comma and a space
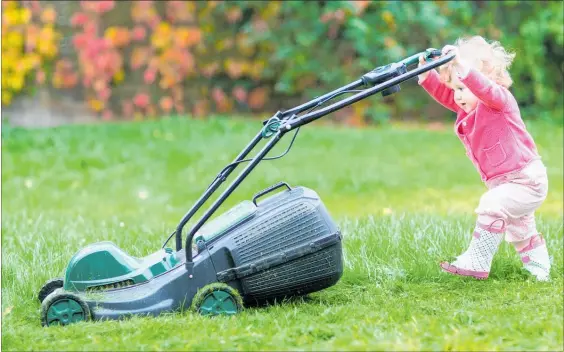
488, 233
528, 242
498, 207
476, 261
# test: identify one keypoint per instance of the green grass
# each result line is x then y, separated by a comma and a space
404, 199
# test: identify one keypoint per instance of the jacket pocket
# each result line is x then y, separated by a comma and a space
496, 154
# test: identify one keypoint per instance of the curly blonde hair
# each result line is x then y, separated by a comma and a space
489, 58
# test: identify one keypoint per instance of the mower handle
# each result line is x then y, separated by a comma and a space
379, 87
270, 189
428, 54
409, 61
386, 78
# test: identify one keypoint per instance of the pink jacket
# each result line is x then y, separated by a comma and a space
494, 135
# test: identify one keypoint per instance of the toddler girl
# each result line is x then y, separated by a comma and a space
474, 85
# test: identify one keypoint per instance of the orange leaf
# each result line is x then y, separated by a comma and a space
118, 36
99, 85
187, 36
257, 98
166, 103
139, 57
166, 82
70, 80
49, 15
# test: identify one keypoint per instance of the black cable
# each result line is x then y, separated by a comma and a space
295, 134
168, 239
281, 155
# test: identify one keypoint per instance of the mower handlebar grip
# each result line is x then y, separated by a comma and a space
270, 189
432, 53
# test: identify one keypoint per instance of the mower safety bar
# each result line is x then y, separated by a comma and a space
290, 121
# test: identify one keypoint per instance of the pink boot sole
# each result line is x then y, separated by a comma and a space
479, 275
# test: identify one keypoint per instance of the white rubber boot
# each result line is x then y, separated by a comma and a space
535, 258
477, 260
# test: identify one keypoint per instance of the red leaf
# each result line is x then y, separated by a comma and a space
149, 76
105, 94
79, 19
90, 28
240, 94
80, 41
105, 6
138, 33
107, 114
141, 100
257, 98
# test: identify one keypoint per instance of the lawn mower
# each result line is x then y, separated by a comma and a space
284, 246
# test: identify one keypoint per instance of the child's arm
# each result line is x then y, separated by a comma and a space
489, 92
438, 90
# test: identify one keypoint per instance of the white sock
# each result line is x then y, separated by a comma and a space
480, 252
535, 258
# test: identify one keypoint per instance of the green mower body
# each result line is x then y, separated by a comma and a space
103, 265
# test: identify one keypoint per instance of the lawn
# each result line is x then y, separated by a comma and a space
403, 197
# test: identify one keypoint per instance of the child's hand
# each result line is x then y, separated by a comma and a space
458, 63
422, 62
451, 48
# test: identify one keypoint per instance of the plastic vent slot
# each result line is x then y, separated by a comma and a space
292, 226
114, 285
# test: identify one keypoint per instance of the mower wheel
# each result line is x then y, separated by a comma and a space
63, 308
217, 299
49, 287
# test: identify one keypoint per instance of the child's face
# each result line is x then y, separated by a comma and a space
463, 97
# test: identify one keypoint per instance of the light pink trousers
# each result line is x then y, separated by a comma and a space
511, 200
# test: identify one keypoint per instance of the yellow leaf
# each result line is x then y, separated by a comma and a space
118, 77
25, 15
6, 100
14, 40
110, 33
10, 17
17, 82
9, 4
96, 104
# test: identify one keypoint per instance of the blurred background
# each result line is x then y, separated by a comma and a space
85, 61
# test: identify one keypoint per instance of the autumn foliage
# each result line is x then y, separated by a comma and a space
199, 57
